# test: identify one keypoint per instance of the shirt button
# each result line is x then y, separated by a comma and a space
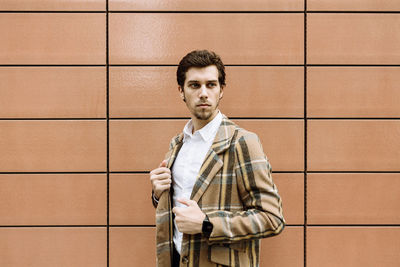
185, 259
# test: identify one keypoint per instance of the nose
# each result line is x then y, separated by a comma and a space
203, 91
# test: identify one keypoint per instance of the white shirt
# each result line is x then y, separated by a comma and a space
188, 162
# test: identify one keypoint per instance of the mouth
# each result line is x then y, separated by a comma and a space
203, 105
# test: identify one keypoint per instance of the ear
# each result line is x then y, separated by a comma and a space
180, 89
221, 92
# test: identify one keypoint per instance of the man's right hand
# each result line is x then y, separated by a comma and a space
160, 179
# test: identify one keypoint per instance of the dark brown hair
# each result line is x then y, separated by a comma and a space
200, 59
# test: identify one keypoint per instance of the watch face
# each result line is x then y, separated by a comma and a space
207, 227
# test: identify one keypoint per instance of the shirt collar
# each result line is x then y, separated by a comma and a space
207, 132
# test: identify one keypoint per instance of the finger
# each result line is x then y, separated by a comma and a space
159, 177
163, 163
165, 181
185, 201
160, 170
161, 188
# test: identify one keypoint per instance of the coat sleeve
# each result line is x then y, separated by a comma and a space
262, 207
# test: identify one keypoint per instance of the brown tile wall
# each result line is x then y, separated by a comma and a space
89, 102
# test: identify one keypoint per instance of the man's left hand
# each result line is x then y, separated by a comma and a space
189, 219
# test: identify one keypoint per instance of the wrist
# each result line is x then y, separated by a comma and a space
207, 227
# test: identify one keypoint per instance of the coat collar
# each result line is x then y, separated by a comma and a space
213, 162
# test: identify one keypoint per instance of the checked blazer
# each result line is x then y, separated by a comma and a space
234, 188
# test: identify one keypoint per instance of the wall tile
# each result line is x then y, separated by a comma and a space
132, 245
166, 38
130, 151
50, 145
130, 200
353, 246
353, 39
55, 246
53, 199
330, 198
353, 145
291, 189
145, 92
353, 92
140, 145
53, 38
264, 92
207, 5
286, 249
50, 5
355, 5
53, 92
250, 92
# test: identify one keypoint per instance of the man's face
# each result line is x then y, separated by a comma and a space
202, 92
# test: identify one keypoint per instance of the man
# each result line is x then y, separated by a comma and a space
213, 193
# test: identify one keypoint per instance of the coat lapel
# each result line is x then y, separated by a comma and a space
175, 146
213, 161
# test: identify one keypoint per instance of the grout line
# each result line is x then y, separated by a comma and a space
305, 136
52, 119
145, 172
53, 11
174, 65
50, 172
204, 11
108, 132
52, 226
152, 225
186, 118
354, 12
51, 65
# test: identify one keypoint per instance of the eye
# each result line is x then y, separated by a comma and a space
211, 85
194, 85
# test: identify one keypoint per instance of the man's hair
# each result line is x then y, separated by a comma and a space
200, 59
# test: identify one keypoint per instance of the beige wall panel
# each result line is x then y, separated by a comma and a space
132, 246
207, 5
44, 5
56, 92
282, 140
331, 198
55, 246
52, 38
286, 249
145, 92
353, 145
53, 199
353, 246
353, 39
250, 92
50, 145
140, 145
264, 92
354, 5
162, 38
353, 92
130, 200
291, 189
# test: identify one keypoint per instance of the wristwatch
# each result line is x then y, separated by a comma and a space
207, 227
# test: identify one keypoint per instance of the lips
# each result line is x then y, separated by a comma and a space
203, 105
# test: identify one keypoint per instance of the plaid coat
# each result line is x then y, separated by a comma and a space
234, 188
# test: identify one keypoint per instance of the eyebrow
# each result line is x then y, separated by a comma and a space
196, 81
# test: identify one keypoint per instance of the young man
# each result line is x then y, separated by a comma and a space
213, 193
